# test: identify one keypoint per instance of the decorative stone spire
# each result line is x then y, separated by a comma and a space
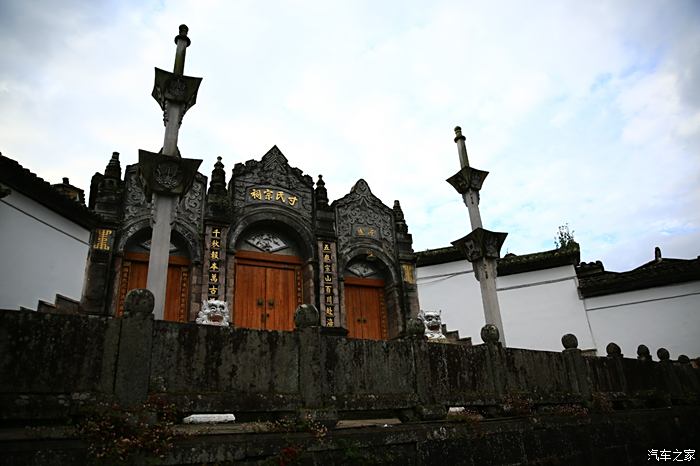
217, 185
166, 175
114, 168
481, 247
106, 190
321, 193
218, 202
401, 226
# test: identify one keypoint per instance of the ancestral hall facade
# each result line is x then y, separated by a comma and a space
266, 242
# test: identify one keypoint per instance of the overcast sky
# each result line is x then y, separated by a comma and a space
586, 113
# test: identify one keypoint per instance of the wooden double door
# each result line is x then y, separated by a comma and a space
267, 290
364, 308
134, 272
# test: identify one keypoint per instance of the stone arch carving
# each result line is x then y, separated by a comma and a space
290, 225
346, 256
189, 237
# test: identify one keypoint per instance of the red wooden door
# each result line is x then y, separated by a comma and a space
134, 273
267, 290
364, 307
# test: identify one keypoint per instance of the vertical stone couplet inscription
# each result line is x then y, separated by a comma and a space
328, 282
214, 268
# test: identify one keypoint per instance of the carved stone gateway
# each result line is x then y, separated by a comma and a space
266, 242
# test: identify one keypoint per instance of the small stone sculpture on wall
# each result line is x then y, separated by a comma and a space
433, 325
214, 312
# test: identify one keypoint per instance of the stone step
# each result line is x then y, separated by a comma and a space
44, 306
66, 305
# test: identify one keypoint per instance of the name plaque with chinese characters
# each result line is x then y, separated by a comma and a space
365, 231
328, 282
215, 261
103, 239
272, 195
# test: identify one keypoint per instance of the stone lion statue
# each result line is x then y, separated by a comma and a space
433, 324
214, 312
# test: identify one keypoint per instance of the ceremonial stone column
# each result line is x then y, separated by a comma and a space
482, 247
165, 175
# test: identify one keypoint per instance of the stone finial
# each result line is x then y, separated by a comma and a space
657, 254
321, 193
217, 185
458, 134
569, 341
613, 350
490, 334
399, 218
643, 353
139, 302
663, 354
66, 180
306, 315
415, 328
114, 169
683, 359
183, 30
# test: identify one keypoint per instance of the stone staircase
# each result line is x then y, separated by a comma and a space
61, 305
453, 336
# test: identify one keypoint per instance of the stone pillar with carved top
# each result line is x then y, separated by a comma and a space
165, 175
407, 261
105, 199
216, 227
481, 247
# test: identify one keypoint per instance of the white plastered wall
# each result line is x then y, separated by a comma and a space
537, 308
665, 316
42, 253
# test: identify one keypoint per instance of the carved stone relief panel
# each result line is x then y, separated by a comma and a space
268, 240
190, 210
272, 182
135, 204
362, 270
360, 215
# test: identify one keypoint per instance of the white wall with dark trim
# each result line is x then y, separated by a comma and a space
42, 253
537, 307
664, 316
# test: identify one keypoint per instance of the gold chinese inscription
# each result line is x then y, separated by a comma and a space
328, 301
408, 274
367, 231
270, 195
214, 276
103, 239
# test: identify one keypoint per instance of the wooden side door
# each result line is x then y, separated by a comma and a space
134, 274
267, 290
364, 307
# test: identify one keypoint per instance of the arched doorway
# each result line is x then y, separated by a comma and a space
134, 270
268, 280
365, 304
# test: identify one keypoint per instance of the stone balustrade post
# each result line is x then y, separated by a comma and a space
312, 386
576, 366
490, 335
133, 364
427, 407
